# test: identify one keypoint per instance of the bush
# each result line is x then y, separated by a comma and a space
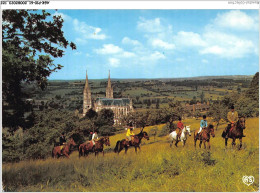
166, 130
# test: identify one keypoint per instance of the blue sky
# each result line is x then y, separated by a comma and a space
159, 43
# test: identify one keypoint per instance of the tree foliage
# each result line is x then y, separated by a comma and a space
31, 39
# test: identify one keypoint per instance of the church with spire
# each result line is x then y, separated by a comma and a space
120, 106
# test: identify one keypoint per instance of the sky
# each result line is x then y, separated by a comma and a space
159, 43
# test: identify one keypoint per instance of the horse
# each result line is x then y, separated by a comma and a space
120, 144
99, 145
56, 151
85, 148
183, 138
204, 136
236, 132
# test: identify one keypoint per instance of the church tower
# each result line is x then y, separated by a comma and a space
87, 102
109, 90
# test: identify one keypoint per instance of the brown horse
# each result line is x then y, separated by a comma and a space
237, 132
56, 151
99, 145
204, 136
136, 142
85, 148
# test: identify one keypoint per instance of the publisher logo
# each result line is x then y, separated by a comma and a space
248, 180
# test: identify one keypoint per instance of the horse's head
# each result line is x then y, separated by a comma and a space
211, 130
145, 135
107, 141
241, 123
187, 129
72, 142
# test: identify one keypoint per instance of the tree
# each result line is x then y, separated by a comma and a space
218, 111
253, 91
105, 117
28, 35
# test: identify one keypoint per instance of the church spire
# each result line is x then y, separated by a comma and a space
87, 102
109, 90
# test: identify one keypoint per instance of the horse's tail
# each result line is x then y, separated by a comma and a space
52, 154
116, 148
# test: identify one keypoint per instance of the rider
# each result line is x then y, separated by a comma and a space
180, 126
232, 117
90, 136
203, 124
94, 138
129, 135
62, 140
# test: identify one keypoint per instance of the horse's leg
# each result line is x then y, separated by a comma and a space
171, 143
209, 144
135, 149
204, 142
200, 143
195, 141
103, 152
65, 153
126, 148
234, 142
240, 145
176, 143
226, 139
184, 141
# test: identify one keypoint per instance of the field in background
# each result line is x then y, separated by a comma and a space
157, 167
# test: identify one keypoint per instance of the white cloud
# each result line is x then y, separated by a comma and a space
127, 40
128, 54
153, 57
205, 61
114, 62
87, 31
227, 45
109, 49
64, 16
236, 19
150, 26
157, 43
189, 39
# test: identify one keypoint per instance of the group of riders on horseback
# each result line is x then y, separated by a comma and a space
233, 130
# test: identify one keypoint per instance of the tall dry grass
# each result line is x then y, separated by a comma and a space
157, 167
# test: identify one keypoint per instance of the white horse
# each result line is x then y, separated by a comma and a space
183, 138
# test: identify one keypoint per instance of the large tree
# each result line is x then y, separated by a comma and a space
31, 40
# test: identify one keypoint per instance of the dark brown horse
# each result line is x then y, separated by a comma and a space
87, 147
99, 145
57, 152
204, 136
236, 132
136, 142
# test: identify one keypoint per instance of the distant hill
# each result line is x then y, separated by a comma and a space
233, 77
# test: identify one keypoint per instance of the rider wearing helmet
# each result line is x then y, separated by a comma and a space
203, 124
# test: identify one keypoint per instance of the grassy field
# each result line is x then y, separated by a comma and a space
157, 167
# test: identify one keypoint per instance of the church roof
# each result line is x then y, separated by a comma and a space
113, 102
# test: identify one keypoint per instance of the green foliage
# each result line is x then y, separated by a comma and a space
253, 91
106, 130
26, 33
166, 129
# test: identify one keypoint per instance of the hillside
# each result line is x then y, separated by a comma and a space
157, 167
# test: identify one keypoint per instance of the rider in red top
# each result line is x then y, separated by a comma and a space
180, 126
